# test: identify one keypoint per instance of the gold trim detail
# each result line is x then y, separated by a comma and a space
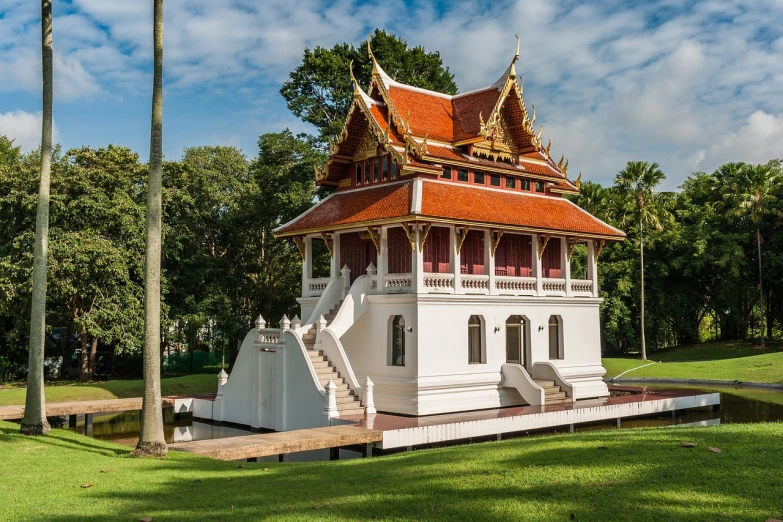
542, 246
597, 248
375, 237
329, 243
424, 235
461, 235
571, 243
495, 235
411, 234
300, 244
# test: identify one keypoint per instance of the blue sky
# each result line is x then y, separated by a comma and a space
690, 85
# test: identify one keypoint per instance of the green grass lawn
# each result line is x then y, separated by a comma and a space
728, 361
63, 391
641, 474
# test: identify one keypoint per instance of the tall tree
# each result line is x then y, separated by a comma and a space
151, 438
636, 185
752, 190
34, 422
319, 90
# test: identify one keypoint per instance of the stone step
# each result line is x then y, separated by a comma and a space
555, 397
330, 316
338, 381
350, 412
315, 353
557, 401
552, 390
319, 364
545, 384
326, 372
346, 399
308, 338
343, 392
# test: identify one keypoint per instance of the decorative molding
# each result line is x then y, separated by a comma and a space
329, 243
495, 235
375, 237
424, 235
599, 245
461, 234
411, 234
571, 243
300, 244
542, 246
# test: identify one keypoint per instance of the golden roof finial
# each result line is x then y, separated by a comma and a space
560, 163
512, 72
565, 168
578, 181
548, 147
516, 56
534, 115
408, 121
540, 134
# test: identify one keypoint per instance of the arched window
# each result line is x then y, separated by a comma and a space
516, 337
555, 337
398, 341
475, 345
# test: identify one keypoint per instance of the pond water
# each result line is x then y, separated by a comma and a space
738, 405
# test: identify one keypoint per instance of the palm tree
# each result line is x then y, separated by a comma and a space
34, 422
751, 189
595, 199
636, 188
151, 440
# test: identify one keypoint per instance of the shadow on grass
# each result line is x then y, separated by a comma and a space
714, 351
639, 475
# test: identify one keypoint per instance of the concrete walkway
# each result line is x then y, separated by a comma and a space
280, 443
56, 409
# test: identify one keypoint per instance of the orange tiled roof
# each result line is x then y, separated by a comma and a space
355, 206
447, 201
500, 207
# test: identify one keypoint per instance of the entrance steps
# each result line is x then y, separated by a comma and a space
553, 393
347, 401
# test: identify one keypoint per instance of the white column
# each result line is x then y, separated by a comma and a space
537, 272
307, 265
417, 264
336, 266
592, 266
454, 260
383, 258
565, 263
489, 262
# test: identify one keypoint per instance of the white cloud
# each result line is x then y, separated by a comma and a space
758, 141
24, 128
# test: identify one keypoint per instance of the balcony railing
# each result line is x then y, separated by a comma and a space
581, 287
316, 287
397, 283
475, 284
554, 287
506, 285
439, 283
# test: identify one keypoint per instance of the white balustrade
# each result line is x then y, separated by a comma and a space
554, 287
397, 283
439, 283
582, 287
269, 335
316, 287
515, 285
473, 284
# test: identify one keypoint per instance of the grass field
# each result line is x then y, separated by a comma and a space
63, 391
639, 475
728, 361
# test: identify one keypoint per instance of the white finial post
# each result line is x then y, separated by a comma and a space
260, 323
296, 322
369, 400
345, 272
320, 324
371, 270
285, 323
331, 400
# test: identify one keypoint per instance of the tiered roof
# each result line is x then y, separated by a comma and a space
489, 129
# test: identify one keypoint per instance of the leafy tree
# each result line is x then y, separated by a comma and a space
319, 90
34, 422
151, 439
752, 193
636, 185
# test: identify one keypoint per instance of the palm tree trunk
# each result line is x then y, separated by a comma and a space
151, 439
641, 258
761, 290
34, 422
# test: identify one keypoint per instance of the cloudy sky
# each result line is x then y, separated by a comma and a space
688, 84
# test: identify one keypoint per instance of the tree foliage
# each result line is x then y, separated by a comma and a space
319, 90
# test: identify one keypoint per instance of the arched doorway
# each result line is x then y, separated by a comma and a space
516, 340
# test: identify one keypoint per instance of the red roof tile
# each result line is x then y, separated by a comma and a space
430, 114
355, 206
468, 107
498, 207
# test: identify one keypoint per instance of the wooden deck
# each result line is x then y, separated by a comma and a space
56, 409
280, 443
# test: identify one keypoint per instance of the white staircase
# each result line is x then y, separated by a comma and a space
347, 401
553, 393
